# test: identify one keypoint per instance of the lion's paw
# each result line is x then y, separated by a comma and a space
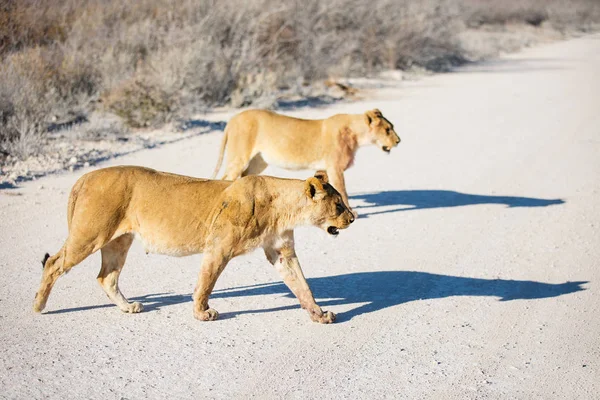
134, 308
38, 304
326, 318
208, 315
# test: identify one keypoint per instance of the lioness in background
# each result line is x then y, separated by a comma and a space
255, 138
179, 216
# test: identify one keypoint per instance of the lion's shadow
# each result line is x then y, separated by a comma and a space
383, 289
426, 199
376, 291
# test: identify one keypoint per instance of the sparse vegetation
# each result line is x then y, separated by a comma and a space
149, 60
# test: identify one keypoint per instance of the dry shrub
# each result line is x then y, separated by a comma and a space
561, 14
26, 138
40, 84
140, 105
583, 14
482, 12
24, 102
30, 23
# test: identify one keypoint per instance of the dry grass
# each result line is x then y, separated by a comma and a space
561, 14
149, 60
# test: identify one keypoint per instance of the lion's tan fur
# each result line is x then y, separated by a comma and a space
179, 215
255, 138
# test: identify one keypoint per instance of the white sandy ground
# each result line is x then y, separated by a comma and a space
473, 272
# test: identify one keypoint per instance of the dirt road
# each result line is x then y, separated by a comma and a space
473, 271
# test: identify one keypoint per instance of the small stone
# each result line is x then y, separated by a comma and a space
86, 164
73, 161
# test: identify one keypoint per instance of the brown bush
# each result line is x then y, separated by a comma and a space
578, 14
140, 105
24, 101
40, 84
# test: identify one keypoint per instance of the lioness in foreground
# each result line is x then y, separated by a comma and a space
178, 215
255, 138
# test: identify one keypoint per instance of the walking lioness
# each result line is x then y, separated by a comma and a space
178, 215
255, 138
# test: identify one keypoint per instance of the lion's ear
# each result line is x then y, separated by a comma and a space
373, 117
314, 189
322, 176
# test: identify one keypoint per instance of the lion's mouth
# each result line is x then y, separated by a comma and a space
386, 149
332, 230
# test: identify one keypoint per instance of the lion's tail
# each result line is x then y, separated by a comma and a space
70, 210
73, 199
222, 153
46, 257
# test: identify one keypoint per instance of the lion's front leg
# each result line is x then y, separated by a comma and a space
286, 262
212, 266
291, 272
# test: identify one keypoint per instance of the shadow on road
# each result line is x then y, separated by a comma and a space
202, 123
532, 65
376, 290
423, 199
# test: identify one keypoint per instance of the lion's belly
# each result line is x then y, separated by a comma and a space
168, 248
291, 162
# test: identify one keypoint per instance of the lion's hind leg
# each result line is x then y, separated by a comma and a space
113, 259
67, 257
256, 165
234, 169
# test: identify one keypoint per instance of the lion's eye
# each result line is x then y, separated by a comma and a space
388, 131
339, 208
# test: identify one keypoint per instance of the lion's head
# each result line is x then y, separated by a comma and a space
326, 207
381, 130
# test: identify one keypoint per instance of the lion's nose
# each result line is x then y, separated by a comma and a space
351, 218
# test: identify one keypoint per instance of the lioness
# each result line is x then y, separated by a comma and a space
255, 138
178, 215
